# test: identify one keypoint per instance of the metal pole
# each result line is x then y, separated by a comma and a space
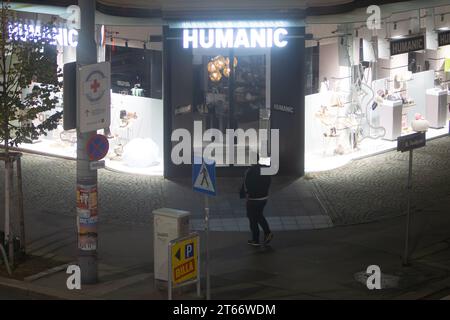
408, 212
9, 238
208, 282
199, 289
20, 200
169, 275
86, 54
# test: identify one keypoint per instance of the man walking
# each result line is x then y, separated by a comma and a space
255, 188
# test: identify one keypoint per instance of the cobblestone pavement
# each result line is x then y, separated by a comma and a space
374, 188
365, 190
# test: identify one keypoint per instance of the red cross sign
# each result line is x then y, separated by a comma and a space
95, 85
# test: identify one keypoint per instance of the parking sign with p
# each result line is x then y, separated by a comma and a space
189, 250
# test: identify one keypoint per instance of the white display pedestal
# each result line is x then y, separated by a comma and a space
391, 118
169, 224
436, 107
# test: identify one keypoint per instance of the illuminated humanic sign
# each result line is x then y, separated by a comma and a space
234, 38
33, 32
444, 38
407, 45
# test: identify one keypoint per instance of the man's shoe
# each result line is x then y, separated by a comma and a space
253, 243
268, 237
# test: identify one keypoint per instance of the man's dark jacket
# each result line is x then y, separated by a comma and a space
255, 185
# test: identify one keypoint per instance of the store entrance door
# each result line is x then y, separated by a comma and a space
235, 95
201, 85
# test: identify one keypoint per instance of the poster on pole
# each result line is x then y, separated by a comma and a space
87, 217
94, 97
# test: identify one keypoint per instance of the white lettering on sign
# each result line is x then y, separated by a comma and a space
29, 32
407, 45
283, 108
234, 38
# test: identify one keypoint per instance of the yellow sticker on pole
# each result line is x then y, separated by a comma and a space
184, 257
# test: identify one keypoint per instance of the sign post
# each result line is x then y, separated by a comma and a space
92, 114
204, 181
409, 143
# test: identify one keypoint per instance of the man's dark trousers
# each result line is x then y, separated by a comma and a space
255, 216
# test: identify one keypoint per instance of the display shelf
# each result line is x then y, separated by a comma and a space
316, 161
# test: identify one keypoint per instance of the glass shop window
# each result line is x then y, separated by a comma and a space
135, 71
312, 70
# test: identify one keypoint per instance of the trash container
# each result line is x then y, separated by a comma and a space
168, 224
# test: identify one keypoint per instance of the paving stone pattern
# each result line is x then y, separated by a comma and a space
364, 190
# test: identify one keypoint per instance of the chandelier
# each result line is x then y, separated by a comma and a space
219, 66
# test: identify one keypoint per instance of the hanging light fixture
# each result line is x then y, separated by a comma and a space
220, 66
211, 67
215, 76
235, 62
226, 72
219, 61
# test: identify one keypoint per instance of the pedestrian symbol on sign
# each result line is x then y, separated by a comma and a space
204, 176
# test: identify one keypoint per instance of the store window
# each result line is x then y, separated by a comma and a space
135, 71
231, 90
136, 131
312, 69
375, 87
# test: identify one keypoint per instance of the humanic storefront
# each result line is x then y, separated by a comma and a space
335, 89
235, 76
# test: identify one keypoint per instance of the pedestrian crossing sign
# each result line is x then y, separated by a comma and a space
204, 176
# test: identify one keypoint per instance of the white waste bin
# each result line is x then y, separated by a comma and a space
168, 224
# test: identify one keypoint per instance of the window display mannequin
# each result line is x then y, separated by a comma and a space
324, 85
137, 91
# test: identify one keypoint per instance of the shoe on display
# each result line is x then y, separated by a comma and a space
253, 243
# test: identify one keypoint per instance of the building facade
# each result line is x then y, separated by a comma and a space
319, 86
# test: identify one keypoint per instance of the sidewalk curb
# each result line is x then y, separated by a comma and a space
32, 288
93, 292
423, 292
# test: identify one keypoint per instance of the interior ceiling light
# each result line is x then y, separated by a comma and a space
220, 66
235, 62
211, 67
215, 76
220, 62
226, 72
